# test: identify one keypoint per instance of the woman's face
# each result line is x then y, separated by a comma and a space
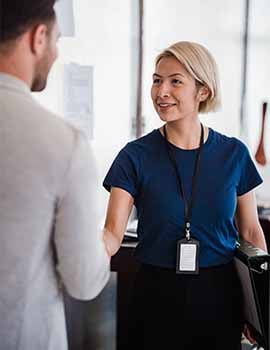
174, 92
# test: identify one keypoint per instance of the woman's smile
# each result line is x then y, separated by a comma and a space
164, 107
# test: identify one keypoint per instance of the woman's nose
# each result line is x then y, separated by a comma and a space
163, 91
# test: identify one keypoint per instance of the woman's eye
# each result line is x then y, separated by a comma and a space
176, 81
156, 81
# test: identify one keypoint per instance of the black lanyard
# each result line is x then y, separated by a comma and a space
187, 204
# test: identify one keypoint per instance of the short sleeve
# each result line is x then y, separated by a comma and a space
123, 172
249, 175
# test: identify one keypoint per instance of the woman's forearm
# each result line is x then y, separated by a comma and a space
112, 242
256, 237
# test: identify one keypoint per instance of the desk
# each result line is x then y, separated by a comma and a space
126, 266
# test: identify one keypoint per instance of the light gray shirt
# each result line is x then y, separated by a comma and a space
48, 219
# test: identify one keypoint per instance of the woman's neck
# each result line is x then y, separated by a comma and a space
185, 135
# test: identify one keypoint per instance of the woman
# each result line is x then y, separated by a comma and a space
194, 193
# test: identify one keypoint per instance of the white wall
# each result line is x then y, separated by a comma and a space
258, 88
215, 24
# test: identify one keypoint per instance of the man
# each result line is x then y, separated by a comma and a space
49, 234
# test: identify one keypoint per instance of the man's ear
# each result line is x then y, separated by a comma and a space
203, 93
39, 37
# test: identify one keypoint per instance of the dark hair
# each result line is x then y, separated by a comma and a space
17, 16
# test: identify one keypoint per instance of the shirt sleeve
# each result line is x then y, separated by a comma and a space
249, 175
123, 172
83, 263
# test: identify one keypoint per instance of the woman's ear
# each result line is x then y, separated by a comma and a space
203, 93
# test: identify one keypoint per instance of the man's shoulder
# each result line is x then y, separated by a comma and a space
42, 127
53, 119
52, 125
25, 108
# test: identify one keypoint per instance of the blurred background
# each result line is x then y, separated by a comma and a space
118, 40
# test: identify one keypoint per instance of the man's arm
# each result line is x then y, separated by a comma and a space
83, 262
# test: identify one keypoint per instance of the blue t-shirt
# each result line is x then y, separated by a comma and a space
143, 169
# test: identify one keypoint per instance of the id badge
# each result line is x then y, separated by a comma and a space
187, 260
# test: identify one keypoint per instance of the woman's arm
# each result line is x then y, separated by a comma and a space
248, 222
249, 229
118, 211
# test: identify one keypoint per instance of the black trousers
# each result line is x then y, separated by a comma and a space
185, 312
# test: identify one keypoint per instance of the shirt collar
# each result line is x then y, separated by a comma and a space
13, 83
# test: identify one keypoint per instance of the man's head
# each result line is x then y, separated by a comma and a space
28, 37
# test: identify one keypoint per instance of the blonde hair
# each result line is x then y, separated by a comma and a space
202, 66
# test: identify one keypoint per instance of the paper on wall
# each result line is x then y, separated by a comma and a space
78, 96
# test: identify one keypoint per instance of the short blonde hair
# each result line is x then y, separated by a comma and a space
202, 66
